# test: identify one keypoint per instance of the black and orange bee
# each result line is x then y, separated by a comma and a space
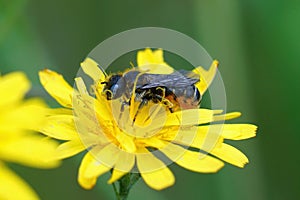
176, 90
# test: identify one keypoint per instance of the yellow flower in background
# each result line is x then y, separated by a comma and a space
18, 119
105, 128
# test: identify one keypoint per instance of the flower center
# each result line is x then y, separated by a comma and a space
139, 122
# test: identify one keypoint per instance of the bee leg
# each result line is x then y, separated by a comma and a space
163, 92
124, 103
167, 103
141, 105
162, 98
108, 94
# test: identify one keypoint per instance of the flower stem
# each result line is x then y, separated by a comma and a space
125, 184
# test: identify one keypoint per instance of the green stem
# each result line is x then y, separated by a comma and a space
125, 184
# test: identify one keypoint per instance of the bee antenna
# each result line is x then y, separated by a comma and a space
131, 64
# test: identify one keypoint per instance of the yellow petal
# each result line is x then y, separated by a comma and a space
89, 171
81, 86
57, 87
90, 114
116, 175
159, 179
125, 161
70, 148
13, 87
190, 117
206, 77
231, 155
194, 161
236, 131
95, 169
153, 142
13, 187
154, 172
147, 162
35, 151
91, 68
88, 105
153, 62
59, 111
107, 155
126, 141
60, 127
227, 116
197, 137
87, 112
26, 115
184, 118
102, 109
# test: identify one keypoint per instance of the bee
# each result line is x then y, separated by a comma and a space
176, 90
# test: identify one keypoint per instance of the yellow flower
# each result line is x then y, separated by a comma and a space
17, 144
105, 128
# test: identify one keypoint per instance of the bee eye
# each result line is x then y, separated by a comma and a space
114, 88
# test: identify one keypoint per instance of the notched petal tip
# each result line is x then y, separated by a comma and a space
231, 155
246, 131
93, 70
57, 87
206, 76
215, 63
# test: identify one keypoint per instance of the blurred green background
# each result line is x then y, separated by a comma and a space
257, 43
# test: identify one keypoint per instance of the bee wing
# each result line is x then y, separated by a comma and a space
176, 79
189, 74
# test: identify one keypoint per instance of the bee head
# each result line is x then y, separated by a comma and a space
112, 85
